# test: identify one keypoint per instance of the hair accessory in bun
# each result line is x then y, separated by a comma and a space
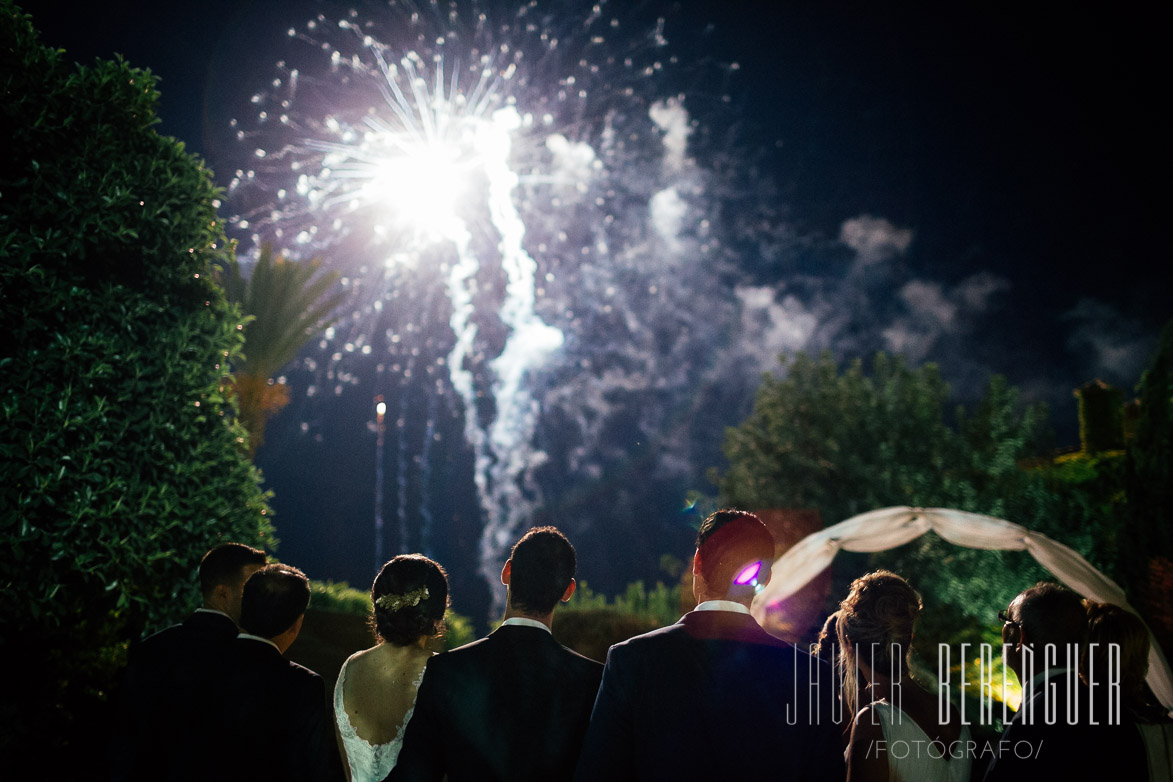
392, 602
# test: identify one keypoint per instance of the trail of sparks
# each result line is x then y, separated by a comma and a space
534, 182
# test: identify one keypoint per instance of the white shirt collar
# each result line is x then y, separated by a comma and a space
521, 621
262, 640
214, 611
722, 605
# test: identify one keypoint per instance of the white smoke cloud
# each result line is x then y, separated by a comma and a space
1112, 345
874, 239
927, 301
975, 291
771, 327
904, 337
667, 213
933, 312
573, 161
672, 118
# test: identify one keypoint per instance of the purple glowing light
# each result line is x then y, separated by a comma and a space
748, 573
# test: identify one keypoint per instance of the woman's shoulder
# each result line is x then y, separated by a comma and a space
360, 658
869, 720
364, 664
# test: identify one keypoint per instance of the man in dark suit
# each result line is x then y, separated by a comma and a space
171, 669
515, 704
714, 696
269, 716
1044, 632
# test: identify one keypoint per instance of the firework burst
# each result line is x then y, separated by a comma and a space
520, 222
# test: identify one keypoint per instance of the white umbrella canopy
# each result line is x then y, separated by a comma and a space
887, 528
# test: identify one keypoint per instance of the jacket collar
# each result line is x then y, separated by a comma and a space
727, 626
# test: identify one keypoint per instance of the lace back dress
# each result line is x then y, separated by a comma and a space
368, 762
911, 756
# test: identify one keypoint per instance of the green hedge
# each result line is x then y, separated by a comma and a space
122, 463
339, 597
660, 605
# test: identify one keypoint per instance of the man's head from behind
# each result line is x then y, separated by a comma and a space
540, 571
729, 542
275, 599
1045, 614
223, 571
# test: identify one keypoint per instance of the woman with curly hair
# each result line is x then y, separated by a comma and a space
375, 693
897, 736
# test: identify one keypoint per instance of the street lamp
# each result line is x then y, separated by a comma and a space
380, 428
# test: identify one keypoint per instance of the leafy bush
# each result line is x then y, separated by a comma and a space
592, 631
459, 630
589, 623
846, 442
121, 458
340, 598
660, 605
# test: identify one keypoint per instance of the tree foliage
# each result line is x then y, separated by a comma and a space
121, 457
846, 442
1148, 548
1149, 463
286, 302
843, 442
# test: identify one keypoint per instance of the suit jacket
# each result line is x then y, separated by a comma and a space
271, 720
165, 682
712, 697
512, 706
1030, 749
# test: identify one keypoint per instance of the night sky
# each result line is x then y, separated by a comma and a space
979, 187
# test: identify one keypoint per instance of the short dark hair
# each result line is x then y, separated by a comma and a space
274, 597
543, 567
727, 541
402, 622
1052, 614
222, 565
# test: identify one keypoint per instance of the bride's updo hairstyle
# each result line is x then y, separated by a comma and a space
410, 596
877, 618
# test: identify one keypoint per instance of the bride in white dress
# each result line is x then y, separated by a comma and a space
896, 737
375, 693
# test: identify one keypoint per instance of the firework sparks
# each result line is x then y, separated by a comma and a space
535, 180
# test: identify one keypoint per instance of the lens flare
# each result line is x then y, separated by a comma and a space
748, 573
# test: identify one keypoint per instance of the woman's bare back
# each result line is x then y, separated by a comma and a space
380, 688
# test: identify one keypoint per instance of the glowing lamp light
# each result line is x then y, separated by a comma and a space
381, 408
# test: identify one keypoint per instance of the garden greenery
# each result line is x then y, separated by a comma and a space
845, 441
122, 461
660, 605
